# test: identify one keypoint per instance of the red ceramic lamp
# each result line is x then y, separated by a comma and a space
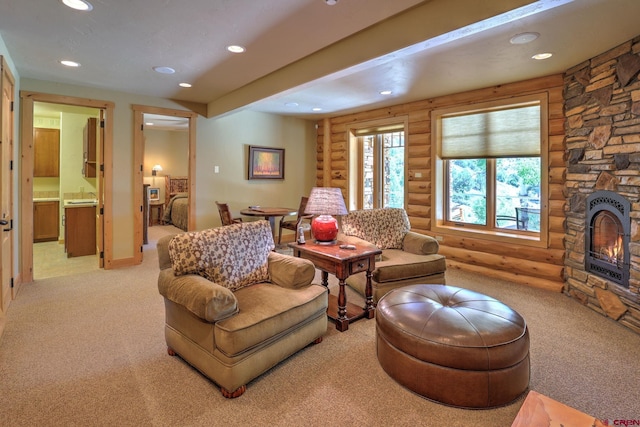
324, 202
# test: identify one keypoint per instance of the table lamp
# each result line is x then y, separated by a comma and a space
324, 202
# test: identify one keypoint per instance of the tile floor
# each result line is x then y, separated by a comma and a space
50, 260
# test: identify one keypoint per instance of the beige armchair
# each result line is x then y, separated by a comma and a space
234, 308
407, 257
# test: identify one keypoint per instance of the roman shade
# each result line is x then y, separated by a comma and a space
512, 132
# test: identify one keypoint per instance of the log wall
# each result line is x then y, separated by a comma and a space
535, 266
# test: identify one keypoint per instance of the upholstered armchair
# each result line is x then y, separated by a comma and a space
234, 308
407, 257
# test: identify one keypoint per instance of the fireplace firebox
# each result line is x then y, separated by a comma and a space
607, 237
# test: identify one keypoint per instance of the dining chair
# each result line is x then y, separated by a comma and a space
225, 215
523, 215
298, 222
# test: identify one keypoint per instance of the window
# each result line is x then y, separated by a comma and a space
489, 168
381, 169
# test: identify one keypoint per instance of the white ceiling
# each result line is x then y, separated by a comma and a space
305, 52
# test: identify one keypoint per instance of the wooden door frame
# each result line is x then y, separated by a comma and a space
138, 161
7, 77
26, 174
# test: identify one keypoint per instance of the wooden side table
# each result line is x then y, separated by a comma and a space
342, 263
159, 208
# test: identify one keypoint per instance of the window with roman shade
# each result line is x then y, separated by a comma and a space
488, 167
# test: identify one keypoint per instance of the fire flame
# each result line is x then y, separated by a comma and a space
612, 252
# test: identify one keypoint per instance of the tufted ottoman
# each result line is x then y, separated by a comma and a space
452, 345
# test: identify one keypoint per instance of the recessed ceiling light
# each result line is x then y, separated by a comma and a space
234, 48
385, 92
540, 56
316, 109
70, 63
184, 84
331, 2
164, 70
524, 38
291, 104
78, 4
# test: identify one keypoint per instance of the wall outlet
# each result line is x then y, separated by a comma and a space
439, 238
418, 174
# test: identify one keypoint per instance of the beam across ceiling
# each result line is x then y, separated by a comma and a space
426, 21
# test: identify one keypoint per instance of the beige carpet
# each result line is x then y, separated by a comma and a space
88, 350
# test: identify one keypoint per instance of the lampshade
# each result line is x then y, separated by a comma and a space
156, 169
324, 202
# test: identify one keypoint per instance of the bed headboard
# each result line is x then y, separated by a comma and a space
175, 185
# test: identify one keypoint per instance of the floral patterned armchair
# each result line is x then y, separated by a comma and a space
407, 257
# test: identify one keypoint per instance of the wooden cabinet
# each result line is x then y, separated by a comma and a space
46, 224
46, 152
90, 148
80, 231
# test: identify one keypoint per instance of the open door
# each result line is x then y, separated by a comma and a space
139, 112
6, 189
100, 192
104, 194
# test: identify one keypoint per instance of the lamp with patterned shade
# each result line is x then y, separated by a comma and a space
324, 202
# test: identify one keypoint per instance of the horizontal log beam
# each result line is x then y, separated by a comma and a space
505, 263
534, 282
516, 251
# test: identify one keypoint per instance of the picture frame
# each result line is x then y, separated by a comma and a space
266, 162
153, 194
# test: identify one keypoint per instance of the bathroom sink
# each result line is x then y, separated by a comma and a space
80, 202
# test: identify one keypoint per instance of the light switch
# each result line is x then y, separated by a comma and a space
216, 169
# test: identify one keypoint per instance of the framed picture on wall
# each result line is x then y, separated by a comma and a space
266, 163
154, 194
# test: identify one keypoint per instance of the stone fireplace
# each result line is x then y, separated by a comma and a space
602, 185
607, 237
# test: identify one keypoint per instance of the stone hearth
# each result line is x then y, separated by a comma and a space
602, 110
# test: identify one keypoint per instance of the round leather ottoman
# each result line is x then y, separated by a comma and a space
453, 345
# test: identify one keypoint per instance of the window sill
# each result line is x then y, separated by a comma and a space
533, 239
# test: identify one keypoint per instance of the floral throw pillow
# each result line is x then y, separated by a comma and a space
232, 256
187, 253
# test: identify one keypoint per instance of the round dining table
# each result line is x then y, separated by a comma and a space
269, 214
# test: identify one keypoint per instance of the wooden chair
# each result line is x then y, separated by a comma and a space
298, 222
225, 215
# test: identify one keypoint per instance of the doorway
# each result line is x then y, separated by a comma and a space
165, 118
67, 147
103, 194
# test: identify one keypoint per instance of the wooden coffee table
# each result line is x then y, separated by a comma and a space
342, 263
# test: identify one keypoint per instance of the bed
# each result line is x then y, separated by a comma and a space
176, 210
